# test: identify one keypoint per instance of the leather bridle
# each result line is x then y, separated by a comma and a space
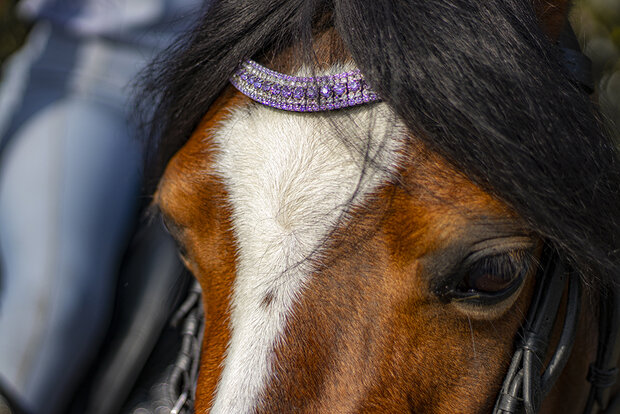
524, 386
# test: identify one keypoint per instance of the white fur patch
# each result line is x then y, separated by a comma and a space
290, 178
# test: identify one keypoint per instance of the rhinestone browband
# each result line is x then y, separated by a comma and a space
302, 94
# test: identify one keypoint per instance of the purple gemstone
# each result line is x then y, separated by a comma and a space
258, 83
340, 88
311, 92
266, 86
299, 93
275, 89
286, 92
244, 76
325, 91
354, 85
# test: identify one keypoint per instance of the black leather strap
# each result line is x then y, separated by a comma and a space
603, 372
524, 388
567, 338
602, 378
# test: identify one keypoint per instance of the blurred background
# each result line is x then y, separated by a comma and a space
596, 22
12, 31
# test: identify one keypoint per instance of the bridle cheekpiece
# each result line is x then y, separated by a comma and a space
302, 94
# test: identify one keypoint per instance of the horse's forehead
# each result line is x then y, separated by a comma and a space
315, 140
290, 180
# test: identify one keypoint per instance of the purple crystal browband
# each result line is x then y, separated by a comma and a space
302, 94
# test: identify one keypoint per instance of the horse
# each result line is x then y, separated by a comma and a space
390, 206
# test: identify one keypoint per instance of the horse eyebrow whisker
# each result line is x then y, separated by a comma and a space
473, 338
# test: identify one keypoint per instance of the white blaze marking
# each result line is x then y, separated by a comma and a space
290, 178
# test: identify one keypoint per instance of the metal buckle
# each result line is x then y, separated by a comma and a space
184, 375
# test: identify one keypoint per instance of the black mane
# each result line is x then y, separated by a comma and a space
477, 81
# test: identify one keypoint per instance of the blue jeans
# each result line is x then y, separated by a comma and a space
69, 192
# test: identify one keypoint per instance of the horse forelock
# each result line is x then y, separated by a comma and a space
478, 82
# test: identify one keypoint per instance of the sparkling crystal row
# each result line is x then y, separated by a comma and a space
302, 94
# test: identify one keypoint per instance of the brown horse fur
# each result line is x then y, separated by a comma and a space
368, 334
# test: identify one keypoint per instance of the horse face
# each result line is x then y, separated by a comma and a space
345, 267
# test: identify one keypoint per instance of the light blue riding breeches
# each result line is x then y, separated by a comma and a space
69, 184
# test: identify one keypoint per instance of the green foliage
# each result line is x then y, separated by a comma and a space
12, 31
597, 24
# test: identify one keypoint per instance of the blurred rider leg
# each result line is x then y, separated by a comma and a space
69, 185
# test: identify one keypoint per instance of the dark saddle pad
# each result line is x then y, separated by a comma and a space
132, 369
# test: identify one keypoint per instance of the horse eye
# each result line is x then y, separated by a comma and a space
492, 275
492, 279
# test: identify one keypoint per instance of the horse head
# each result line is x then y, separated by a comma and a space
383, 257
